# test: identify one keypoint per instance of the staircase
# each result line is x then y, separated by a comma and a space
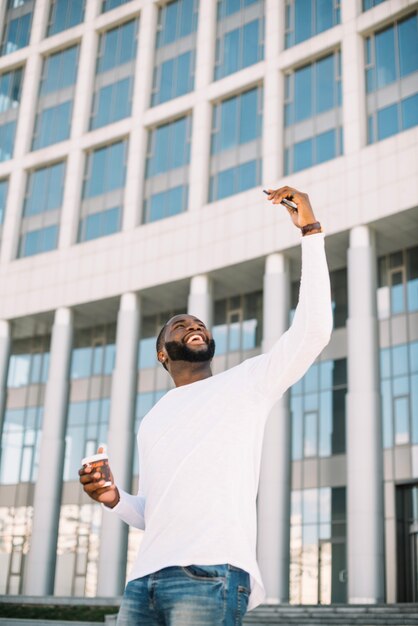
263, 615
336, 615
347, 615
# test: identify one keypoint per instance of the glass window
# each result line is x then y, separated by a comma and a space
65, 14
167, 164
10, 94
103, 189
87, 427
20, 443
236, 122
175, 50
17, 25
313, 92
78, 550
38, 241
399, 272
15, 534
391, 60
399, 394
3, 198
238, 323
240, 38
306, 18
105, 169
100, 224
369, 4
318, 411
55, 102
108, 5
42, 205
317, 546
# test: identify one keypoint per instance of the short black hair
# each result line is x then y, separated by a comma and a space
159, 344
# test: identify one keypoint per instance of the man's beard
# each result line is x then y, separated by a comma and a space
178, 351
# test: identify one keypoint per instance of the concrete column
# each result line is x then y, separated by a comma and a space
202, 111
364, 440
273, 95
40, 568
121, 441
200, 301
5, 343
135, 174
273, 506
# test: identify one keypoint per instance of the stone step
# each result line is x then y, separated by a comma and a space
263, 615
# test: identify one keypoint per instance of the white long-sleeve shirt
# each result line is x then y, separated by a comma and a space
200, 446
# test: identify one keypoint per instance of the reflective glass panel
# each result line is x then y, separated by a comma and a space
3, 197
65, 14
385, 57
387, 121
408, 45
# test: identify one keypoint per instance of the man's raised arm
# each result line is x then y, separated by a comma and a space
290, 357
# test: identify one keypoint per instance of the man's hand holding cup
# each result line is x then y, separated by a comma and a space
97, 479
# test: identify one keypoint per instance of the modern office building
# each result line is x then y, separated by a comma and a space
135, 140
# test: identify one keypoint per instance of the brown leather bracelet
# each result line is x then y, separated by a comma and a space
309, 227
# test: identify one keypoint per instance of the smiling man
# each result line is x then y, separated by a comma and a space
200, 454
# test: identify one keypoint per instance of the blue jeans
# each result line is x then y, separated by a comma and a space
192, 595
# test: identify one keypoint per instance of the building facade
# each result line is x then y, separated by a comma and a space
135, 140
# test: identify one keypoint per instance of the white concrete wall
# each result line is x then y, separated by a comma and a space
366, 183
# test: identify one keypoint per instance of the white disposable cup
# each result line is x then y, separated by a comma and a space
100, 463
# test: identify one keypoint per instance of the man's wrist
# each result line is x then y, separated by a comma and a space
115, 501
311, 229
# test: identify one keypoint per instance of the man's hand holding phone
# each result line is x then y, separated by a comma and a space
298, 206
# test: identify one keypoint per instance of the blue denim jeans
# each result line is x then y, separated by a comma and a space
192, 595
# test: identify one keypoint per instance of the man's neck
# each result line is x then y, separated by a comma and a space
184, 373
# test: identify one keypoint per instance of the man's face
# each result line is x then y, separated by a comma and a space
186, 338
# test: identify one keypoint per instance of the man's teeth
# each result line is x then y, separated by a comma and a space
194, 337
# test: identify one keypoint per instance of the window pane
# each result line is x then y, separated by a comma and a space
250, 44
183, 74
325, 146
297, 428
325, 84
92, 224
400, 360
3, 198
387, 121
385, 57
303, 93
401, 407
310, 438
303, 20
409, 112
324, 15
7, 135
408, 45
228, 123
248, 117
179, 155
302, 155
65, 14
225, 183
115, 166
231, 52
247, 175
175, 200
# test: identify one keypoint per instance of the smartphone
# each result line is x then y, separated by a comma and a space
286, 202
